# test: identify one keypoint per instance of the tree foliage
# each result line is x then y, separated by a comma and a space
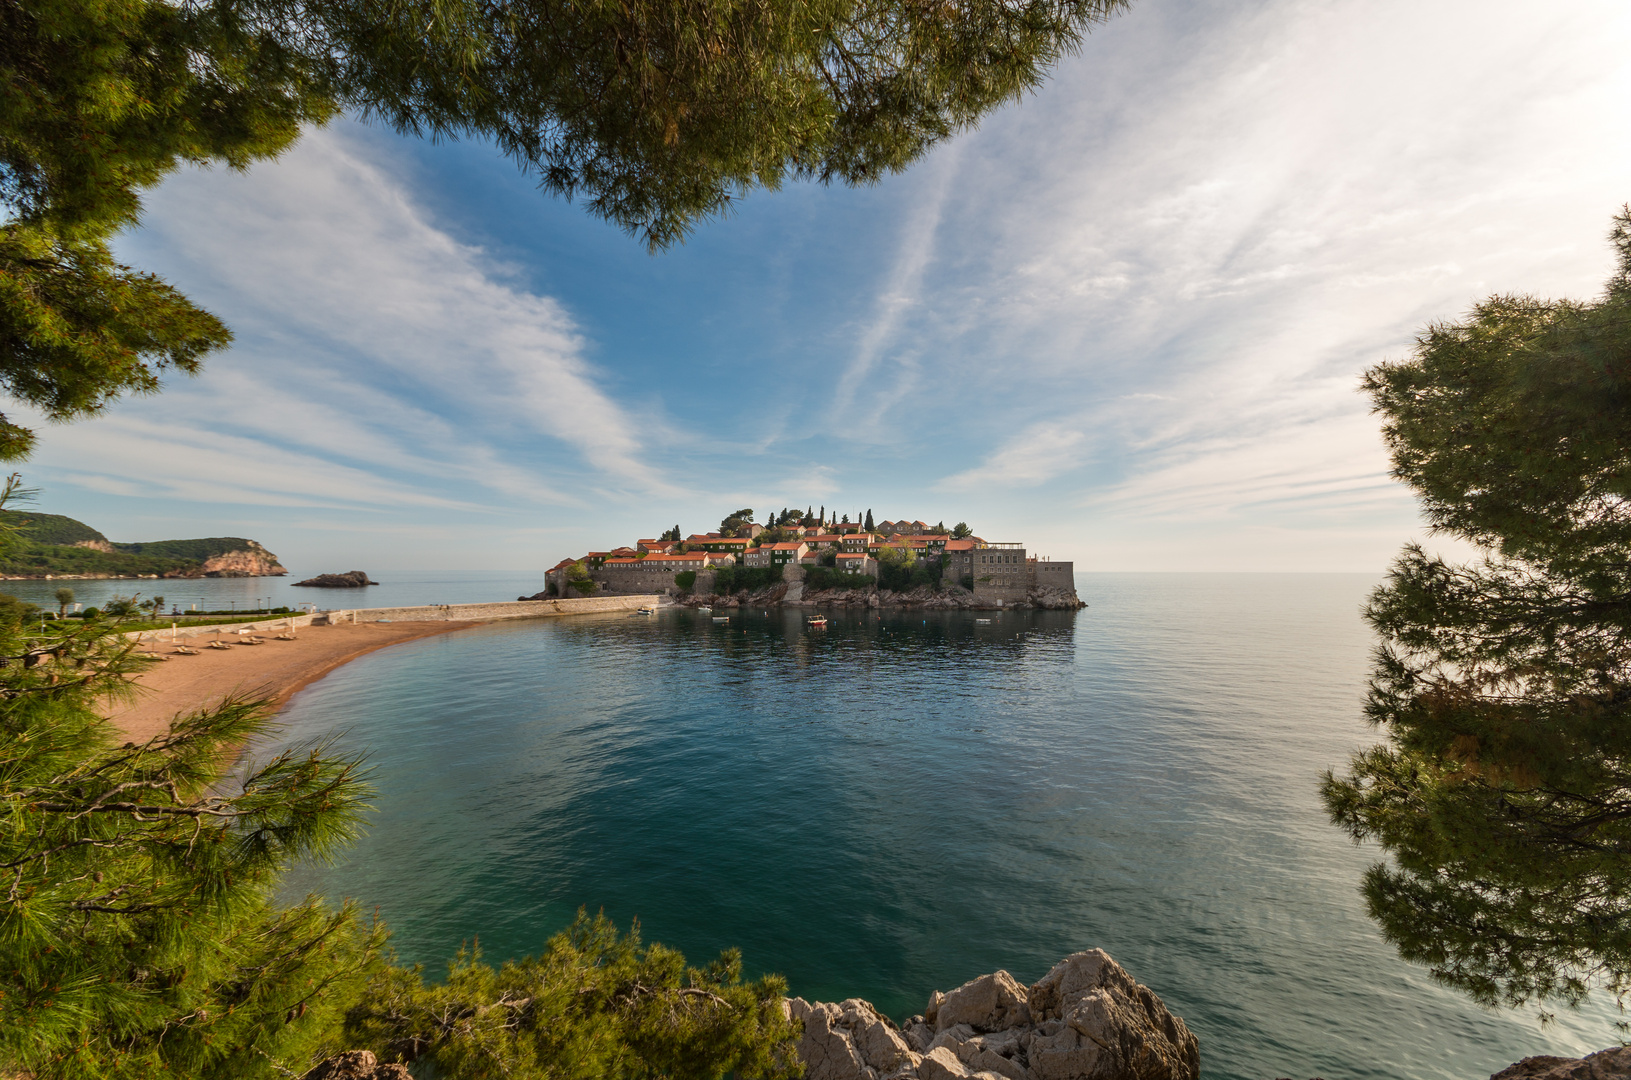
739, 523
596, 1004
1503, 793
657, 113
137, 933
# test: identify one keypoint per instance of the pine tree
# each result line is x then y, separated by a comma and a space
137, 933
1502, 794
596, 1004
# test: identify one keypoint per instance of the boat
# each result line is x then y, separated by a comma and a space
986, 621
705, 607
722, 618
819, 622
646, 611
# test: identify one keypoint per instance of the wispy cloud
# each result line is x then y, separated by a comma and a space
404, 342
1038, 454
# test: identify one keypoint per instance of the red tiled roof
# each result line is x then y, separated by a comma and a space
789, 545
624, 562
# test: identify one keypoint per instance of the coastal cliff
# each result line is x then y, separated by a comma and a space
54, 546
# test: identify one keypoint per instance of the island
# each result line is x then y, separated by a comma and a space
810, 559
49, 546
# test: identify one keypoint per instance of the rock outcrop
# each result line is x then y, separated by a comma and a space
351, 579
251, 561
952, 599
1087, 1019
356, 1065
1611, 1064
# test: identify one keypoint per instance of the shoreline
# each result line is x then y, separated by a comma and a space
277, 669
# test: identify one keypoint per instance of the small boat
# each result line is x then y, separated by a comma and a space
646, 611
705, 607
819, 622
722, 618
986, 621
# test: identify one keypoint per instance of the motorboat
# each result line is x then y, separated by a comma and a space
646, 611
819, 622
722, 618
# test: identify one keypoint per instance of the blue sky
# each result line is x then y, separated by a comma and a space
1123, 321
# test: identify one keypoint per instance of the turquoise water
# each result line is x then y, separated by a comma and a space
899, 803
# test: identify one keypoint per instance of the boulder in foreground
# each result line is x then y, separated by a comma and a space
1611, 1064
1087, 1019
351, 579
356, 1065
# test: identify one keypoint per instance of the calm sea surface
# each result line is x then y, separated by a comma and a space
900, 803
397, 588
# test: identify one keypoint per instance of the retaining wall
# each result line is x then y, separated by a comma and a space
513, 609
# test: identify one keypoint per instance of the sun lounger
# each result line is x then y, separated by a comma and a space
182, 650
218, 645
286, 637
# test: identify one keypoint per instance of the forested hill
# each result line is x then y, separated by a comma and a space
34, 545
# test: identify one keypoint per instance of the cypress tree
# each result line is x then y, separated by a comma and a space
868, 526
1502, 793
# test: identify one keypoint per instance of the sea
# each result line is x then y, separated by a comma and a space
905, 800
396, 589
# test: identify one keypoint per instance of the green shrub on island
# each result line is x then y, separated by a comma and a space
577, 577
686, 580
899, 571
734, 579
821, 577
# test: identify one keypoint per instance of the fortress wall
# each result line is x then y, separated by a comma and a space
1001, 574
1055, 575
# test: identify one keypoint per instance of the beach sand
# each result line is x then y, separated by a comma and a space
276, 669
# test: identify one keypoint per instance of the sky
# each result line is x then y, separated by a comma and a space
1123, 321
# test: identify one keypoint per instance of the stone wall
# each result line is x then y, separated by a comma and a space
514, 609
634, 579
1055, 575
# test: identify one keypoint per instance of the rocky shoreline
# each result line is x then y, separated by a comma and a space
793, 594
1086, 1019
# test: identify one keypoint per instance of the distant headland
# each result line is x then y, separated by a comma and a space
45, 546
813, 559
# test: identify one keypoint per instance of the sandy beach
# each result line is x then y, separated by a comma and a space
276, 669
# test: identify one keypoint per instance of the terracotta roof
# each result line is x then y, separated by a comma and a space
959, 545
695, 556
624, 562
788, 545
853, 555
